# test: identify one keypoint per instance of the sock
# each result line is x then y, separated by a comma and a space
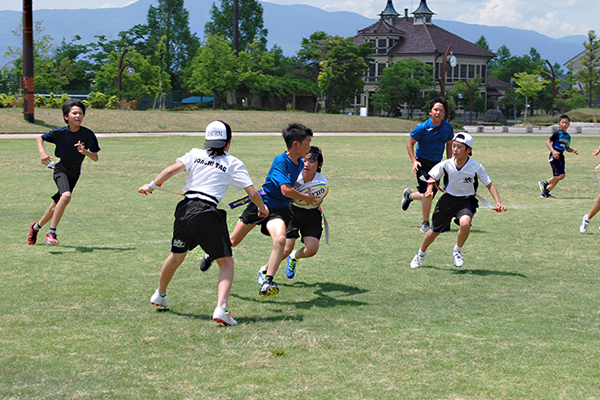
268, 278
293, 255
584, 217
161, 294
37, 227
52, 231
456, 248
421, 253
223, 308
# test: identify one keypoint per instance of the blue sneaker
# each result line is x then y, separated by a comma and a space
290, 270
262, 275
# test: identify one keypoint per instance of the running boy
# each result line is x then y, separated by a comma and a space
279, 190
430, 136
73, 143
197, 219
304, 220
595, 208
558, 143
459, 201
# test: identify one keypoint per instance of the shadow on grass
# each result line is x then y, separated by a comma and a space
40, 122
478, 272
89, 249
244, 319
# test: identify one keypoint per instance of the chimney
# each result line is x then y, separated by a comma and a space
406, 14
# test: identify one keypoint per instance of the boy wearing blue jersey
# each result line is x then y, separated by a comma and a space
460, 200
558, 143
279, 190
430, 137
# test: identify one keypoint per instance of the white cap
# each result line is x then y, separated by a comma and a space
218, 133
464, 138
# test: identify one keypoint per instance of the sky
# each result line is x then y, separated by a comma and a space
554, 18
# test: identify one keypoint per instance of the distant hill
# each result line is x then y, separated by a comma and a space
287, 26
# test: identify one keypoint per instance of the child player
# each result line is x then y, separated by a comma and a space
459, 201
197, 219
305, 220
557, 144
73, 143
595, 208
279, 190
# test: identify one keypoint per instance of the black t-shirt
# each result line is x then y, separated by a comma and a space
65, 141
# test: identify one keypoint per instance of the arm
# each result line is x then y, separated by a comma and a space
429, 191
162, 177
288, 191
44, 157
572, 150
410, 147
263, 211
596, 151
555, 154
85, 152
449, 149
494, 192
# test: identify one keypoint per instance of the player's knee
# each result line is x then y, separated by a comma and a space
465, 221
560, 177
66, 196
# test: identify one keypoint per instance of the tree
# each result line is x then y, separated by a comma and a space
250, 20
529, 86
213, 69
255, 68
470, 88
589, 74
404, 82
482, 42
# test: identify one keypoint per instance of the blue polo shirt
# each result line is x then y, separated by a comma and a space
431, 140
283, 170
560, 141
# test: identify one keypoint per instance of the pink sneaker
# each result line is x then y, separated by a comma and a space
32, 238
51, 238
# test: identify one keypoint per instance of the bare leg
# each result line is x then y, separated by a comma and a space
426, 207
225, 280
552, 182
65, 199
429, 238
289, 247
464, 230
595, 208
311, 246
47, 215
169, 267
240, 232
276, 228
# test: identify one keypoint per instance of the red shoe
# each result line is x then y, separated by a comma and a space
51, 238
32, 238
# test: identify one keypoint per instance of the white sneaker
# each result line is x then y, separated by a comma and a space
262, 275
158, 300
224, 317
417, 260
458, 258
584, 224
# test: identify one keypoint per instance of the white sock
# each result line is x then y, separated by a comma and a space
421, 253
456, 248
584, 217
293, 255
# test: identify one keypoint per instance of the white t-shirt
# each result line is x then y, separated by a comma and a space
319, 177
461, 182
213, 176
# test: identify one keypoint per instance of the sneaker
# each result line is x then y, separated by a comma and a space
205, 263
549, 196
290, 270
425, 226
584, 224
406, 199
458, 258
417, 260
269, 288
543, 185
223, 317
51, 238
32, 238
262, 275
159, 301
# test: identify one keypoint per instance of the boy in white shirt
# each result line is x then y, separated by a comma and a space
459, 201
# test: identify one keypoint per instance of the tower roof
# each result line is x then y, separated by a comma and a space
389, 10
423, 9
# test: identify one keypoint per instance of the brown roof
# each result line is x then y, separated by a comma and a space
422, 39
498, 84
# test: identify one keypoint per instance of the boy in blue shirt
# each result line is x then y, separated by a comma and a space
557, 144
279, 193
430, 137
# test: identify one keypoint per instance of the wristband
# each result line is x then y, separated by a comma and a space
154, 186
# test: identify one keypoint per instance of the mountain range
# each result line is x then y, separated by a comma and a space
287, 26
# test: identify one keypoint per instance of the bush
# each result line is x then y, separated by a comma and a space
39, 101
17, 102
6, 100
97, 100
112, 103
457, 127
53, 102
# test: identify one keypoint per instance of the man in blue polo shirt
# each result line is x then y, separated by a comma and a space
430, 137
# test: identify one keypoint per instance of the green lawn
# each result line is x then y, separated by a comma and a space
520, 320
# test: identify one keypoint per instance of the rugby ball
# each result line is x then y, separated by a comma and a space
317, 189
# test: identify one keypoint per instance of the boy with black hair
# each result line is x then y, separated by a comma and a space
279, 190
459, 201
430, 137
73, 144
558, 143
197, 219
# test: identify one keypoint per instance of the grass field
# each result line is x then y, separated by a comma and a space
520, 320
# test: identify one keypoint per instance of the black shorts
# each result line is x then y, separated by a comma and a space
250, 217
199, 222
449, 207
423, 170
66, 177
305, 221
558, 165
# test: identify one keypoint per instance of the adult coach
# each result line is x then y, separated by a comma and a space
430, 137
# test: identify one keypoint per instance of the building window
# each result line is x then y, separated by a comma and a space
478, 71
463, 71
382, 43
358, 101
471, 71
372, 69
380, 68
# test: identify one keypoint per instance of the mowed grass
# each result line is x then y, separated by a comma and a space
520, 320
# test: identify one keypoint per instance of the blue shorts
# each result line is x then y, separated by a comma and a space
558, 165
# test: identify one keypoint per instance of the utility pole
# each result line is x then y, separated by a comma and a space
27, 79
236, 33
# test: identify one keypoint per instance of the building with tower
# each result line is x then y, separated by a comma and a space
399, 37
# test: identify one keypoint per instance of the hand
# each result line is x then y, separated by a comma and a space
264, 213
576, 152
145, 189
596, 152
428, 193
80, 147
415, 166
555, 154
45, 158
501, 207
